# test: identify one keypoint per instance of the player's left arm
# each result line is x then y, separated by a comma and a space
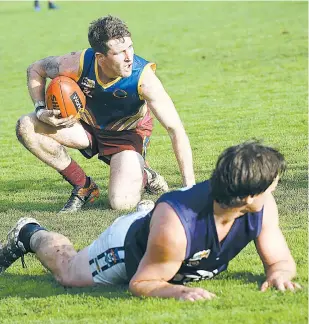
160, 103
279, 265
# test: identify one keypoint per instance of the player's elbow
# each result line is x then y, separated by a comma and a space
178, 136
134, 288
35, 70
141, 287
30, 68
148, 287
176, 131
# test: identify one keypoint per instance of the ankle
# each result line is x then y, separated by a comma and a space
26, 234
74, 174
87, 183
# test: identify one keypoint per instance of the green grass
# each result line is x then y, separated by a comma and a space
236, 71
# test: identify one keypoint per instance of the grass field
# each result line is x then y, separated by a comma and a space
236, 71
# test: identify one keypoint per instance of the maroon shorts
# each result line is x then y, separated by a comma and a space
106, 143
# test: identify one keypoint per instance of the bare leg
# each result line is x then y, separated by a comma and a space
58, 255
126, 179
47, 142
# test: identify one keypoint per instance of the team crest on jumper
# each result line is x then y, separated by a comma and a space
87, 86
197, 257
119, 93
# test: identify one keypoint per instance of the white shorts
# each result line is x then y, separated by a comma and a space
106, 253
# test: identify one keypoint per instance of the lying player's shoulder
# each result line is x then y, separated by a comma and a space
270, 211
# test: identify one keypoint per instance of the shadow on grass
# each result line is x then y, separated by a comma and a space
42, 286
41, 185
244, 277
50, 196
41, 198
31, 206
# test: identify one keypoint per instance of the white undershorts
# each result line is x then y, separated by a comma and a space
106, 253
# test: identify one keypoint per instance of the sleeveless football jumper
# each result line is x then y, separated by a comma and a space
205, 256
116, 117
116, 105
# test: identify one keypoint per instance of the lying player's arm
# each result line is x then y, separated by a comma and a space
164, 110
278, 262
165, 252
51, 67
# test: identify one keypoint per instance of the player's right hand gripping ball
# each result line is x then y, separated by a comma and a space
65, 95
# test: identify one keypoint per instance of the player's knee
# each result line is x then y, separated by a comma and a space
64, 274
65, 280
62, 279
123, 202
24, 127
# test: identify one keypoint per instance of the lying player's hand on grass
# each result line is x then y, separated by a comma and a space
281, 281
53, 118
193, 294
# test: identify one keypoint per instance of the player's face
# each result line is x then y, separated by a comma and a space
119, 59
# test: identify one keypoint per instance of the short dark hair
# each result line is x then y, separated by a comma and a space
244, 170
104, 29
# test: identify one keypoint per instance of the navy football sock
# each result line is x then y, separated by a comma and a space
26, 232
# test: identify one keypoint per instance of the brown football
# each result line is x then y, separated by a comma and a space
64, 94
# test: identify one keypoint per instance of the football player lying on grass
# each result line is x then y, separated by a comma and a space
190, 235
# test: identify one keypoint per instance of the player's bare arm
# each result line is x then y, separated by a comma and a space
165, 252
278, 262
51, 67
164, 110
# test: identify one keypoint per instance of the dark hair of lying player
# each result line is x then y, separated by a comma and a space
247, 169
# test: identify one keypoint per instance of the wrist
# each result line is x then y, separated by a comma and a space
280, 273
40, 104
38, 107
